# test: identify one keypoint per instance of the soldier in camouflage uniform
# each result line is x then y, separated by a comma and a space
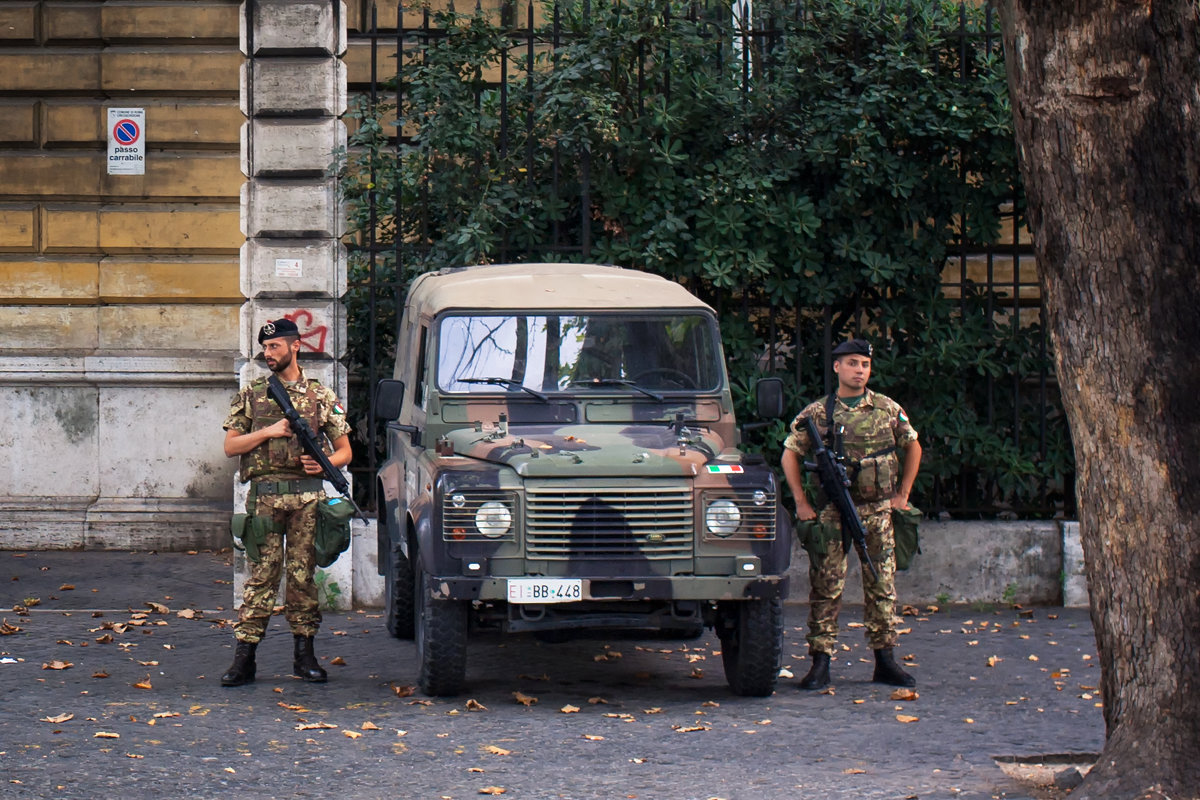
286, 487
876, 430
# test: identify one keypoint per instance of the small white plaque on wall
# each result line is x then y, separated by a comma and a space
289, 268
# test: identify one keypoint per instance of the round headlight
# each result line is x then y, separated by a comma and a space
493, 519
723, 517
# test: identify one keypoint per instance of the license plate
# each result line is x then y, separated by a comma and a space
545, 590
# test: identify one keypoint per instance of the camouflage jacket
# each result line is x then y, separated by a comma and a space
877, 423
279, 459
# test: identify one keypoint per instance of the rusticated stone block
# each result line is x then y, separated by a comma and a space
279, 268
295, 27
294, 87
287, 148
291, 209
322, 325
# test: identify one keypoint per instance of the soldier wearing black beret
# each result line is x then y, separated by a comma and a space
286, 488
882, 458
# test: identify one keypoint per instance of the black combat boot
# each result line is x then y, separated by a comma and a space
889, 672
243, 667
818, 676
305, 666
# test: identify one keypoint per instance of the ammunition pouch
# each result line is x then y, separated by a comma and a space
333, 529
815, 536
906, 529
250, 533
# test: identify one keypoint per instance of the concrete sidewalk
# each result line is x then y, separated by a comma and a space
110, 685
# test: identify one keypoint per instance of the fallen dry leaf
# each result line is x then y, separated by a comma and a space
105, 735
905, 718
475, 705
597, 701
655, 710
338, 661
105, 639
292, 707
58, 665
696, 673
100, 674
166, 714
829, 690
369, 726
569, 709
854, 771
493, 790
525, 699
351, 734
58, 718
143, 684
904, 694
993, 660
315, 726
8, 630
543, 677
158, 608
690, 728
496, 751
187, 613
593, 738
403, 691
67, 587
134, 755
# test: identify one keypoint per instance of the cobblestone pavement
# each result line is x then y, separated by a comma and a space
108, 688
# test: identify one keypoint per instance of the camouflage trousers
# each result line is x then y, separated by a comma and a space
827, 579
293, 554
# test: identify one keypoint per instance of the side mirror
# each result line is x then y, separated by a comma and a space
769, 393
389, 399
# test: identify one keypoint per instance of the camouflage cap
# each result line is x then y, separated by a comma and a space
853, 347
276, 328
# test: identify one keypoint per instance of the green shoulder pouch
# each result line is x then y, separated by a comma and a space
815, 536
906, 528
333, 529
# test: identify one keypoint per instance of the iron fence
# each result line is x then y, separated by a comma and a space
992, 279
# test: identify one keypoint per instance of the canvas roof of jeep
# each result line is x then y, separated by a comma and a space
547, 286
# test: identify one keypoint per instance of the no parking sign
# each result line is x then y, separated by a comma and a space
127, 141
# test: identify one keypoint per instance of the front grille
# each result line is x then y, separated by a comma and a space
570, 522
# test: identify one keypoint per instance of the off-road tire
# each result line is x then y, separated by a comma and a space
752, 645
441, 637
398, 594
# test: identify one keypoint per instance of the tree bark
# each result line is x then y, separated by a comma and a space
1106, 98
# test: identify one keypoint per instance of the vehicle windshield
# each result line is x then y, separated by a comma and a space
540, 353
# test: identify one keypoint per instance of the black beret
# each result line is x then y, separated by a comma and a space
276, 328
853, 347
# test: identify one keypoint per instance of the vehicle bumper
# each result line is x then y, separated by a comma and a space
679, 587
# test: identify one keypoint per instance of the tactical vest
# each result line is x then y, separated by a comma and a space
279, 457
870, 446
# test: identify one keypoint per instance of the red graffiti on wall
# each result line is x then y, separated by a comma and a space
310, 338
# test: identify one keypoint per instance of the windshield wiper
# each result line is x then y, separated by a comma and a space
508, 383
658, 398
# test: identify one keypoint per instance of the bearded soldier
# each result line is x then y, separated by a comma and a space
285, 488
882, 457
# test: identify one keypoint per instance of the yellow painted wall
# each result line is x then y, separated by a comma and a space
91, 260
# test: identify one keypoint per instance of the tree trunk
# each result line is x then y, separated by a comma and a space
1106, 97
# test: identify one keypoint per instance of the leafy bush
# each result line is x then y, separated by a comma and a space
808, 175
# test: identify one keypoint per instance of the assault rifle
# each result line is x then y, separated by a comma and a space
308, 440
836, 484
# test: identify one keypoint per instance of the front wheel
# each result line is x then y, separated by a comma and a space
441, 634
398, 594
751, 634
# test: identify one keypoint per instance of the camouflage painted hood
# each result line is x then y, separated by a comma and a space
591, 450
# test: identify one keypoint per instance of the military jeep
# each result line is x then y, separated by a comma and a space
562, 459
